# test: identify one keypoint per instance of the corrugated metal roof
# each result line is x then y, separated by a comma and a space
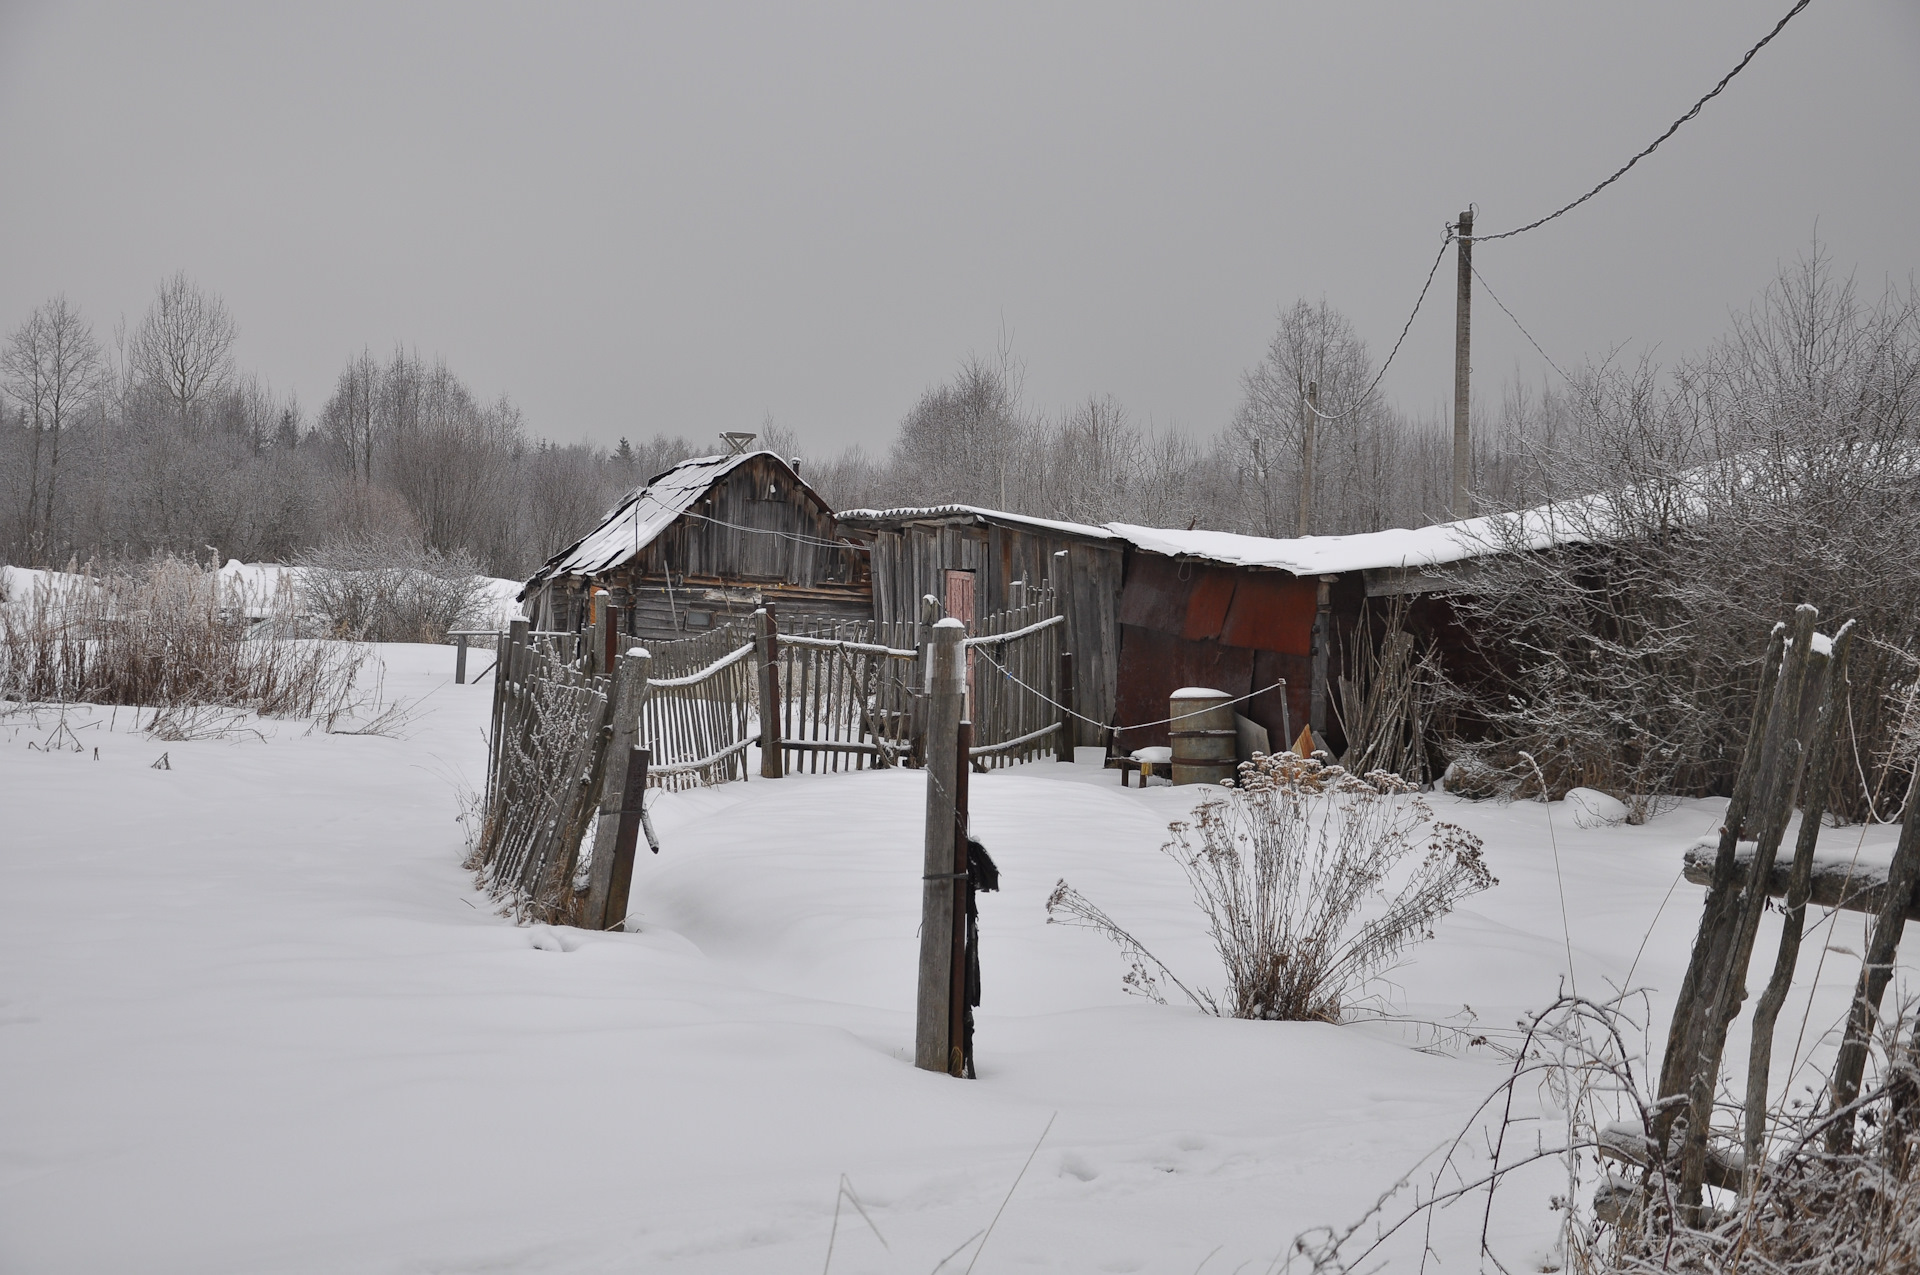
644, 514
1397, 547
934, 513
1400, 547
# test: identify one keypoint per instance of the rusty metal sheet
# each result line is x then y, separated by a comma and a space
1154, 665
1272, 612
1154, 595
1207, 605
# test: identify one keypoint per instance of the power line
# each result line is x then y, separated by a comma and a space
1405, 328
1516, 323
1671, 130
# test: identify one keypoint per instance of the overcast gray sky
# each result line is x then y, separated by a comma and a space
637, 218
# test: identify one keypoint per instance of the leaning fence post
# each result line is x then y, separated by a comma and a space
1063, 694
1876, 971
506, 671
946, 689
603, 910
766, 642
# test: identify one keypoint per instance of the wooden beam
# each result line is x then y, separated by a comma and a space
1854, 887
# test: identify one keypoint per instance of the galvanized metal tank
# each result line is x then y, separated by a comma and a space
1204, 736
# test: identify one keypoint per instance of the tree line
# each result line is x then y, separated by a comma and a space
153, 440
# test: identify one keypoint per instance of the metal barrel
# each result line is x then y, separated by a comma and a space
1203, 734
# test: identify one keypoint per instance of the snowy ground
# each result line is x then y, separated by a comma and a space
253, 1018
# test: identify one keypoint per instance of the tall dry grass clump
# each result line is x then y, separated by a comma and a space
161, 635
1293, 867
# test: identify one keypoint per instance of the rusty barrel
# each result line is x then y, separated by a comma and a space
1203, 733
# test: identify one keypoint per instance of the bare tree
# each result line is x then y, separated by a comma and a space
1315, 343
183, 348
52, 365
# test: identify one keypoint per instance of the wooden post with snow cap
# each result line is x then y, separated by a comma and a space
602, 910
946, 690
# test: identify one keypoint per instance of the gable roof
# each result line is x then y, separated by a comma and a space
637, 520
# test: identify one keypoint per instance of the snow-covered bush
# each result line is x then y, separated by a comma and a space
160, 635
1293, 867
386, 589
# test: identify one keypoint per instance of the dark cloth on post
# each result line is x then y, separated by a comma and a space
983, 877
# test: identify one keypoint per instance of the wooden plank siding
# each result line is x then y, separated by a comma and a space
910, 558
758, 536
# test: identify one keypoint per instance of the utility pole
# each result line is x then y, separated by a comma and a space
1462, 362
1309, 418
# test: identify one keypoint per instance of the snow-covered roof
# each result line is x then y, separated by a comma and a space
643, 514
935, 513
1397, 547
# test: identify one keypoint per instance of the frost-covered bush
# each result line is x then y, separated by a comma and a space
1294, 868
160, 635
386, 589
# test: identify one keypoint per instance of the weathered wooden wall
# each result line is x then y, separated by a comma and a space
911, 561
756, 538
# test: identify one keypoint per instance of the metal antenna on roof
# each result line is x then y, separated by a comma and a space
737, 441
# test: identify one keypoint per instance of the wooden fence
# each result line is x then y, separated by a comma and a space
1791, 746
574, 715
697, 717
545, 764
846, 696
1017, 683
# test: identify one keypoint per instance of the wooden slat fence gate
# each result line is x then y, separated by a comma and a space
847, 696
1017, 682
698, 716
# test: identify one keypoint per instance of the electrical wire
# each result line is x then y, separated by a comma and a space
1672, 128
1405, 328
1516, 323
768, 531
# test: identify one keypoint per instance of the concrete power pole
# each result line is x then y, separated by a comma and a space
1462, 363
1309, 418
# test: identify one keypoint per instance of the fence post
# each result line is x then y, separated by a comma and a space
957, 976
594, 658
610, 641
1063, 692
946, 688
506, 662
629, 688
460, 661
766, 641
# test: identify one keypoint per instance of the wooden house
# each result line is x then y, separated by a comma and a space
976, 562
707, 541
